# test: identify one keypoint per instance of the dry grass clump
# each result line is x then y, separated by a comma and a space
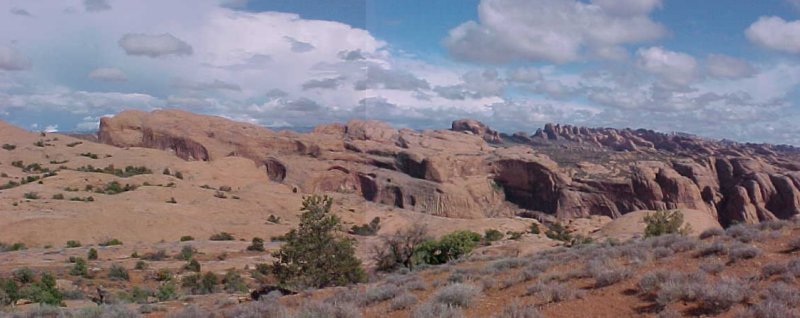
460, 295
516, 310
555, 292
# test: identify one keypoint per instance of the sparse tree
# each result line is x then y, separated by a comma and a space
665, 222
398, 249
314, 255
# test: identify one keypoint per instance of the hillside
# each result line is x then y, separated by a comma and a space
154, 179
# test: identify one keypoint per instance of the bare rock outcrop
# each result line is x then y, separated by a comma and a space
472, 171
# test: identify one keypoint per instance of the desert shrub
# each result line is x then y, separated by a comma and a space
89, 155
534, 229
220, 195
741, 252
117, 272
506, 263
140, 265
43, 291
222, 236
12, 247
712, 232
9, 147
492, 235
265, 307
368, 229
192, 266
677, 288
158, 255
73, 244
320, 310
79, 268
449, 247
200, 284
92, 254
516, 310
715, 248
163, 274
782, 293
772, 269
403, 301
233, 282
514, 235
381, 293
743, 233
397, 250
713, 267
172, 200
662, 252
768, 309
436, 310
773, 225
664, 222
273, 219
460, 295
186, 238
722, 295
23, 275
794, 244
554, 292
610, 277
186, 253
313, 255
191, 311
31, 196
558, 232
111, 242
256, 245
115, 187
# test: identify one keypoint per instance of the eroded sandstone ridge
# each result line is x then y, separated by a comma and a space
472, 171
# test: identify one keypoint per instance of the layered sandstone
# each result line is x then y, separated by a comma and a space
472, 171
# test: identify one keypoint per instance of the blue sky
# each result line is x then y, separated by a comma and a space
716, 68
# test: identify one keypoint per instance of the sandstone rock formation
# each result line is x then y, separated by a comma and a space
472, 171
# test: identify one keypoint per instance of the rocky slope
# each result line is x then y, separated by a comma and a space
472, 171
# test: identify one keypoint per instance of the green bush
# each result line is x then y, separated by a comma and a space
535, 228
80, 268
187, 252
111, 242
43, 291
492, 235
140, 265
449, 247
558, 232
9, 147
31, 196
222, 236
665, 222
192, 266
233, 282
314, 255
92, 254
23, 275
200, 284
167, 291
179, 175
58, 196
117, 272
256, 245
13, 247
367, 229
73, 244
186, 238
